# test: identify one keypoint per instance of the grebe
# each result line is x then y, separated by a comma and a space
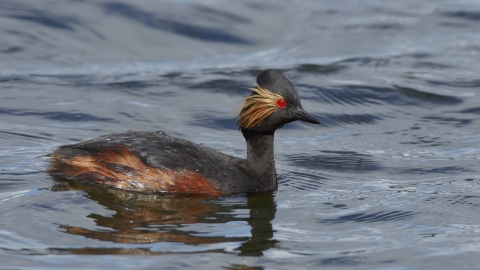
156, 162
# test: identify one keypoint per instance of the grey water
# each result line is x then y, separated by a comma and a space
389, 180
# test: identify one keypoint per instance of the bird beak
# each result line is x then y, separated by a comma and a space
300, 114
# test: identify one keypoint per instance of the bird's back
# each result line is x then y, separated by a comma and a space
152, 162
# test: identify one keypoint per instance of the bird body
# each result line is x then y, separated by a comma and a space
156, 162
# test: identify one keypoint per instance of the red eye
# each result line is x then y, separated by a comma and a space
281, 103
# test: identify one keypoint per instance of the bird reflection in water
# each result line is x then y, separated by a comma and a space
151, 218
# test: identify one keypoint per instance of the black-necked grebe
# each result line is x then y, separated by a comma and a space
156, 162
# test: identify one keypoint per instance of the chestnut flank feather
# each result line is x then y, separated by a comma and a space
118, 167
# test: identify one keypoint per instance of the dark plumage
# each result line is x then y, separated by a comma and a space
156, 162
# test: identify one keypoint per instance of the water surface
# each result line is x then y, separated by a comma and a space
390, 180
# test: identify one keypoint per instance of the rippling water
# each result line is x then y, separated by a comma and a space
390, 180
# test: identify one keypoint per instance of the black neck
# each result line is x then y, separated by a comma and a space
260, 156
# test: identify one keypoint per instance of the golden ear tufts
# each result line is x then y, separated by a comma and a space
257, 107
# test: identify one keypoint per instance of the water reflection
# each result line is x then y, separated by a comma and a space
338, 161
381, 216
180, 27
145, 219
